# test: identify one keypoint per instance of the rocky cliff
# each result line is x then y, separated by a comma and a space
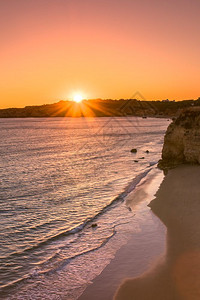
182, 140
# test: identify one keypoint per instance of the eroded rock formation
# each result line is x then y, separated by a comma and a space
182, 140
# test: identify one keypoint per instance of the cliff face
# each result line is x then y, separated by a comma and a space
182, 140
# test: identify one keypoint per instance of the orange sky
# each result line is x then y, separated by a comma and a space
50, 49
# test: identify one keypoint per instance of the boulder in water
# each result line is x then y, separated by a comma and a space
94, 225
134, 150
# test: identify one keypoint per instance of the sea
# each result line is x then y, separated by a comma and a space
63, 185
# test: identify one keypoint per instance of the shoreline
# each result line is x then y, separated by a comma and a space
172, 268
143, 248
68, 264
118, 248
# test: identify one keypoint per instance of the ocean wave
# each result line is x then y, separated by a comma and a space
88, 221
38, 270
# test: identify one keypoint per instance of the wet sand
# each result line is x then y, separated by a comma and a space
162, 261
141, 251
177, 205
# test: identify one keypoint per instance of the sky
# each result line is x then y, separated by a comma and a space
53, 49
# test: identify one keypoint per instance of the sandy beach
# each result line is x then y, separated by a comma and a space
162, 261
144, 248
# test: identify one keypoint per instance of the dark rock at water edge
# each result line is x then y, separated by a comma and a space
134, 150
94, 225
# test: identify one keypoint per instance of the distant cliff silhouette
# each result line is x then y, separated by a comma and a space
102, 108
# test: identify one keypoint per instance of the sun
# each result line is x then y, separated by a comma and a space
78, 98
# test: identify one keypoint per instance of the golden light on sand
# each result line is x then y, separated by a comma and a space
77, 98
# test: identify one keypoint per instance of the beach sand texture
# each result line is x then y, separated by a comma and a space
143, 250
177, 205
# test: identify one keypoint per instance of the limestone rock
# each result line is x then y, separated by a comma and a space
182, 140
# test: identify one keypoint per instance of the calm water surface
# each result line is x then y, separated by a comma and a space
58, 176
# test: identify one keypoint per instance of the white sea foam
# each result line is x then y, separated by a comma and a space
58, 176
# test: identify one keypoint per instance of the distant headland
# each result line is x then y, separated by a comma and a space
102, 108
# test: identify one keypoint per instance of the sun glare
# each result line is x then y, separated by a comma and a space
78, 98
